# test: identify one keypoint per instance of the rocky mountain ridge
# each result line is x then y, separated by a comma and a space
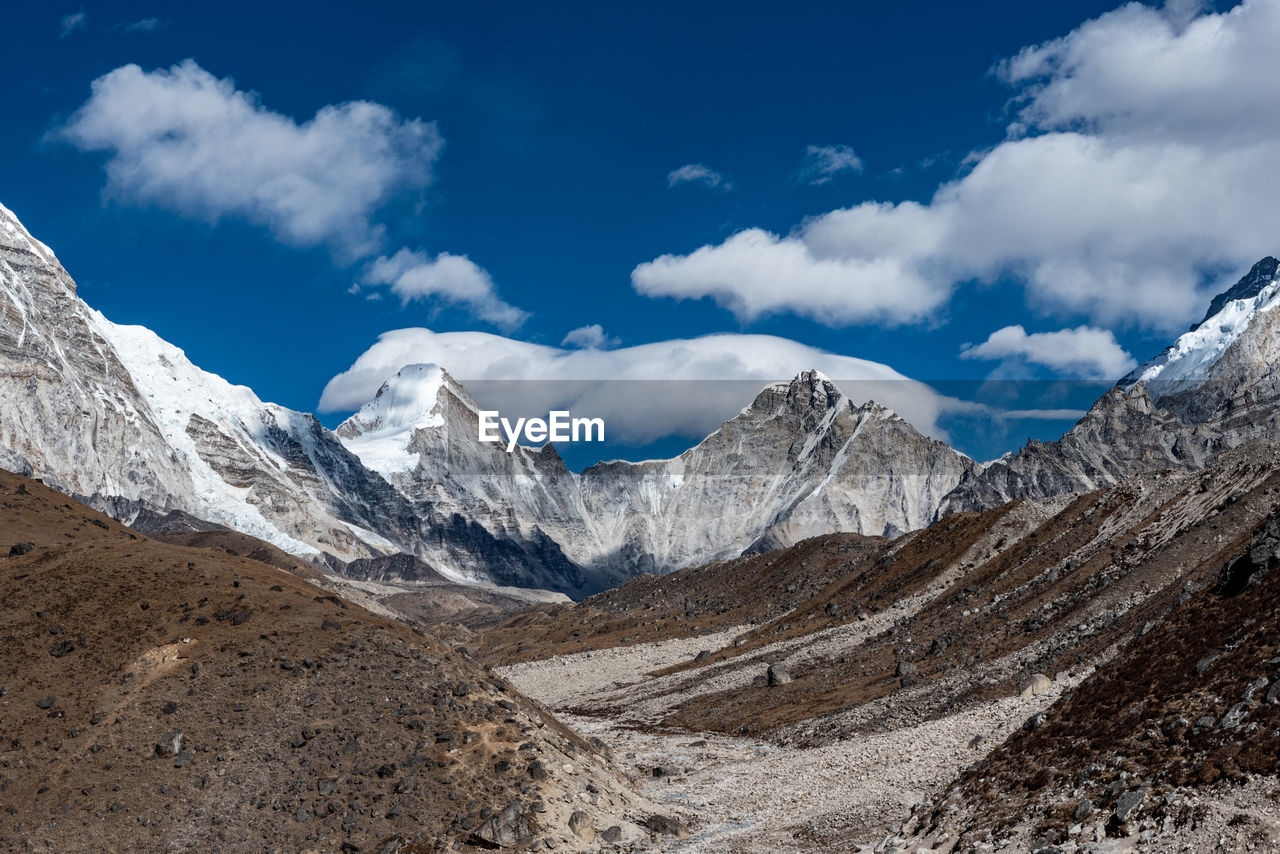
1213, 389
801, 459
118, 416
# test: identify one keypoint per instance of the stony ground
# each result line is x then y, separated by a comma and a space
752, 795
1040, 677
1098, 673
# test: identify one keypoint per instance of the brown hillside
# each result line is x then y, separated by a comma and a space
306, 723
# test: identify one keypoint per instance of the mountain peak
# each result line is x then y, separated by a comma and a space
1187, 362
14, 237
808, 390
406, 400
1250, 285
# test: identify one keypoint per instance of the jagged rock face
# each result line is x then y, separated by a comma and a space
1213, 389
485, 513
70, 413
118, 416
801, 460
1262, 274
1124, 433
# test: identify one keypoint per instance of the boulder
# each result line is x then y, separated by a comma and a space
507, 829
1128, 803
61, 648
777, 675
1034, 685
582, 826
665, 825
170, 744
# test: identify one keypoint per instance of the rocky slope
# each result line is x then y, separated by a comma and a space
70, 412
1214, 388
117, 416
1177, 733
908, 660
159, 697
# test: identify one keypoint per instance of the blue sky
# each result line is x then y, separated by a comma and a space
814, 142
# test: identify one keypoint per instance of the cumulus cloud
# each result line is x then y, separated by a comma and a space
682, 387
73, 22
1083, 353
696, 173
590, 337
185, 140
756, 272
450, 278
1138, 176
824, 162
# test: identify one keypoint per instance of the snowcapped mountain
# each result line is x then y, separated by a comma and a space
1215, 387
802, 459
121, 418
69, 410
1188, 363
118, 416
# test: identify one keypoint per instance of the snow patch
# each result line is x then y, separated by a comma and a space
1187, 362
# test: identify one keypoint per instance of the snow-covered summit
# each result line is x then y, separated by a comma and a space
1186, 364
381, 433
409, 399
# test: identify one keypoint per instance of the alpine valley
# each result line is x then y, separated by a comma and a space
816, 630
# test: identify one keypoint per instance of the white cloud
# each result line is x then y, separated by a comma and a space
696, 173
755, 273
145, 25
590, 337
450, 278
183, 139
1082, 353
73, 22
824, 162
1140, 174
187, 141
683, 387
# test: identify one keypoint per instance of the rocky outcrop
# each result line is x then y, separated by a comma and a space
1215, 388
1123, 434
70, 413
